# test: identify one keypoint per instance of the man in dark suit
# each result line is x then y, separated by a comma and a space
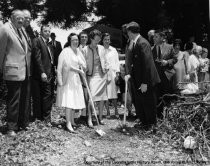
57, 48
144, 77
27, 20
164, 61
43, 74
15, 65
128, 62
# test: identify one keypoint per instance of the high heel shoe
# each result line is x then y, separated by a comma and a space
71, 130
90, 125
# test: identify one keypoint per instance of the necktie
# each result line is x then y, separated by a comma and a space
51, 57
158, 51
19, 33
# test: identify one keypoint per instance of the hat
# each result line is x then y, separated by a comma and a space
52, 35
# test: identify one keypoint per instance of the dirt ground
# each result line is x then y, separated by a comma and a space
54, 146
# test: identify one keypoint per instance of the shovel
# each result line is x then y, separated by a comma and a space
98, 131
126, 96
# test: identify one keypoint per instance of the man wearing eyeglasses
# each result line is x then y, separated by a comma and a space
14, 64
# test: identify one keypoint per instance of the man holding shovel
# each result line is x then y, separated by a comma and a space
144, 77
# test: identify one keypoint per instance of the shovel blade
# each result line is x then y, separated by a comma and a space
100, 132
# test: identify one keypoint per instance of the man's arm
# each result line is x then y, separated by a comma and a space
146, 57
171, 60
3, 45
37, 56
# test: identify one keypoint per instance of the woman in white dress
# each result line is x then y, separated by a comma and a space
114, 70
194, 64
69, 91
180, 67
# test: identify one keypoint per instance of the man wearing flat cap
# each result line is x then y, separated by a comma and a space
144, 77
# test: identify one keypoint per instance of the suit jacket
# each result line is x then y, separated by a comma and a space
143, 67
166, 54
128, 57
42, 58
29, 50
13, 54
57, 48
89, 57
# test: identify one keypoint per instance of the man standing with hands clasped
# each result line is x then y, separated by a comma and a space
43, 74
144, 77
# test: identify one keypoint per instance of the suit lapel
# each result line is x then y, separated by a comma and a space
48, 49
16, 34
26, 37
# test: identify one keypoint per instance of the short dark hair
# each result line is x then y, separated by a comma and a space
105, 35
52, 34
68, 43
44, 26
82, 33
160, 32
177, 42
189, 46
133, 27
94, 33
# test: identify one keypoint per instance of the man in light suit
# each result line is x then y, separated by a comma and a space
144, 77
43, 74
15, 65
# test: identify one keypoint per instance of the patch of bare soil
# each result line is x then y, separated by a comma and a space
54, 146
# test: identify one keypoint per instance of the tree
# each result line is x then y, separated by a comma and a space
185, 17
66, 13
6, 6
119, 12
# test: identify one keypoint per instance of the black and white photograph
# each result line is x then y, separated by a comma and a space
104, 82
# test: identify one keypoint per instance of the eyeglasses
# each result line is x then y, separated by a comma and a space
74, 40
27, 18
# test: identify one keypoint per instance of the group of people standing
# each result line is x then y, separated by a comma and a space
32, 64
28, 64
89, 71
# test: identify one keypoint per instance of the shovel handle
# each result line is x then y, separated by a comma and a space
91, 99
126, 95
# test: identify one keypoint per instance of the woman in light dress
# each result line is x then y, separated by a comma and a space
96, 73
194, 63
180, 67
114, 69
69, 91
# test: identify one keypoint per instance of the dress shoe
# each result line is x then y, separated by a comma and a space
101, 122
23, 128
11, 133
71, 130
117, 116
138, 126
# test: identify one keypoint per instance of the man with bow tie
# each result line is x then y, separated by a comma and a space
15, 65
43, 76
144, 77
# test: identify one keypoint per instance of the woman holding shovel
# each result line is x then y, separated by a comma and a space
96, 74
69, 91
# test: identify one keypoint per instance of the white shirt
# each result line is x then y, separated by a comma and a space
135, 40
112, 59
